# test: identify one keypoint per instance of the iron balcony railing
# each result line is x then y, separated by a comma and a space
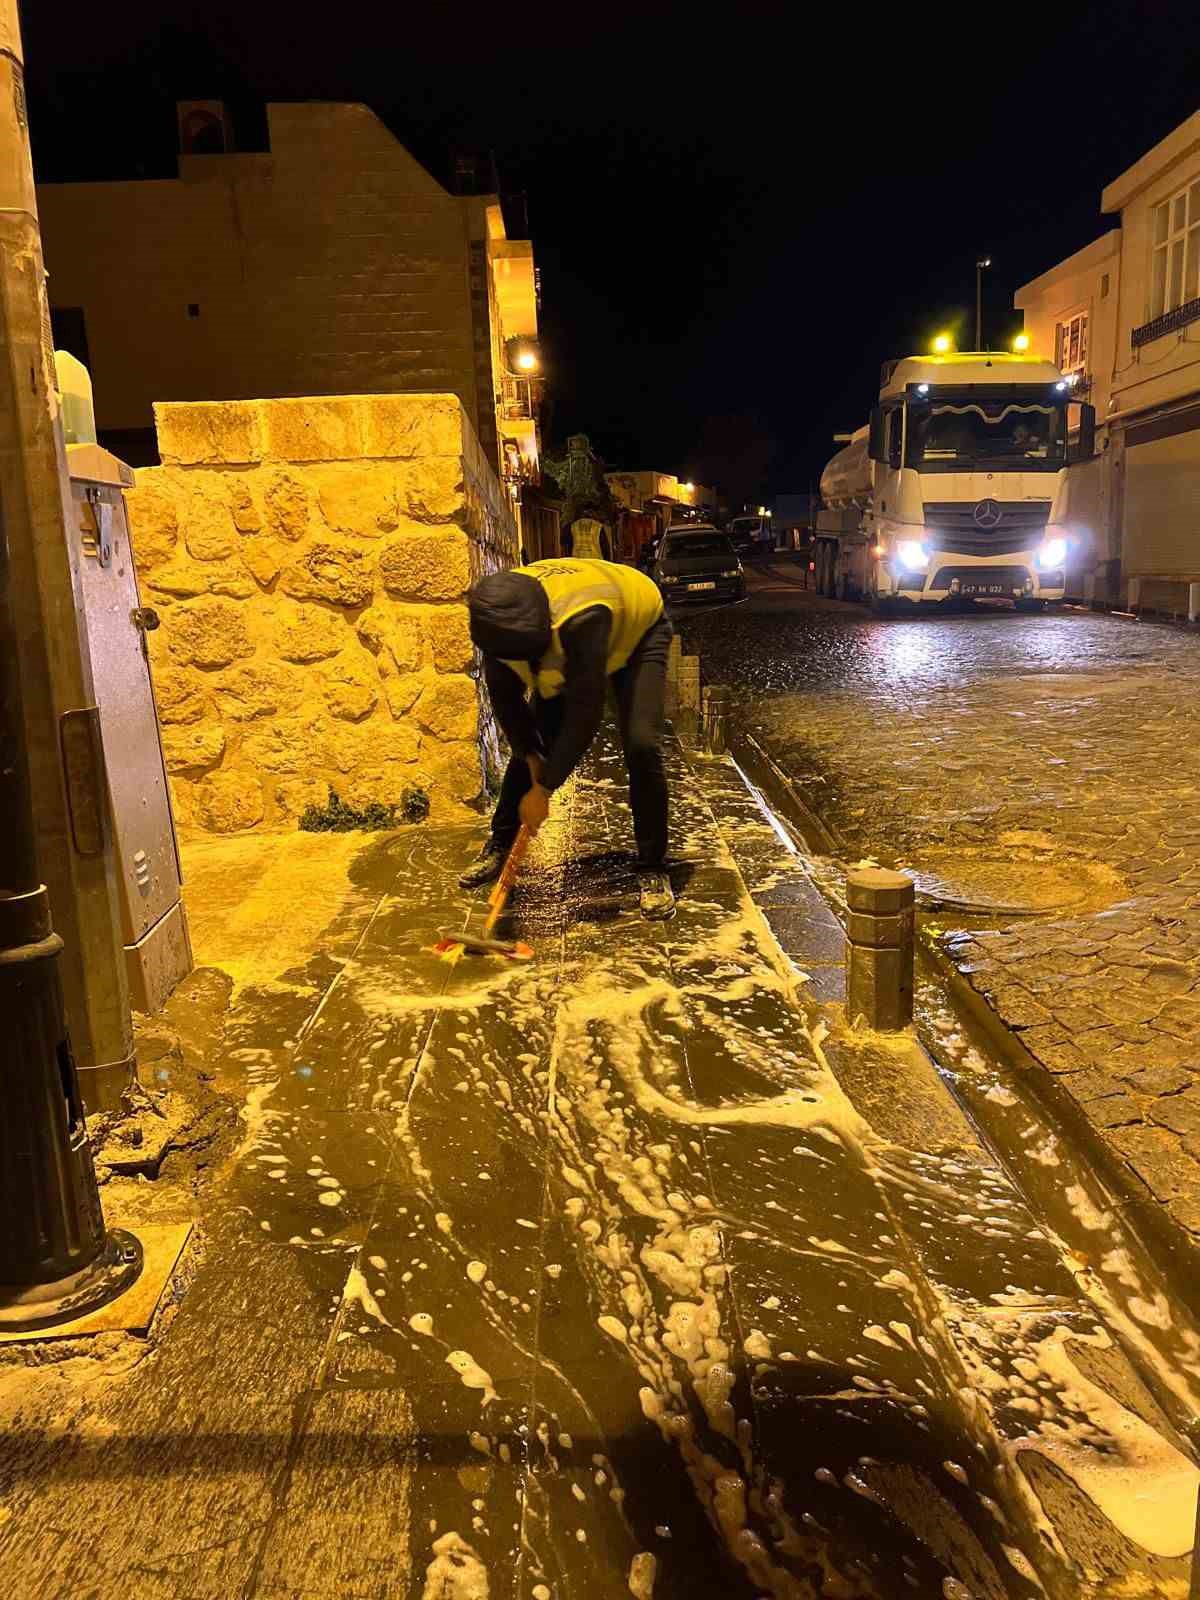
1170, 322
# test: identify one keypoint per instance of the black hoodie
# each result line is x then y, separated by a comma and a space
510, 617
510, 621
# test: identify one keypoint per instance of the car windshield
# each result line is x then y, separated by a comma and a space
956, 435
745, 525
682, 545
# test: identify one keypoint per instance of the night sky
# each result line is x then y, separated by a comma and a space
738, 212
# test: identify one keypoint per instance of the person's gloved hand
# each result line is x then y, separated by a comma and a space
535, 808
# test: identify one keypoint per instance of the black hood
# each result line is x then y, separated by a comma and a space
510, 616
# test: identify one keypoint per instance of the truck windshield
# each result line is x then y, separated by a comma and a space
956, 436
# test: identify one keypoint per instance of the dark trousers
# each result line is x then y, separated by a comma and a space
641, 692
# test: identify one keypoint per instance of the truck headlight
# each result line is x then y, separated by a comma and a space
911, 553
1052, 554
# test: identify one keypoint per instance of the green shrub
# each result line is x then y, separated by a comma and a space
335, 816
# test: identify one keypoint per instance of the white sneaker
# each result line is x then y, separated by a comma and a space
656, 895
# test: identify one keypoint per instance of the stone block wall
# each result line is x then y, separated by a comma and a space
309, 560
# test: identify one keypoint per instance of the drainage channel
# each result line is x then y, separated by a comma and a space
1123, 1267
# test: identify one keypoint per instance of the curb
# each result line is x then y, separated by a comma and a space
1173, 1251
1170, 1247
769, 776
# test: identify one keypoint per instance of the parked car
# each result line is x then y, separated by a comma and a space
697, 562
648, 554
746, 534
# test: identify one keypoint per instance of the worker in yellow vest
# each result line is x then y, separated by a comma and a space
552, 635
587, 539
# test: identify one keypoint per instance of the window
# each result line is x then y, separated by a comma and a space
680, 545
1175, 257
1004, 432
1070, 343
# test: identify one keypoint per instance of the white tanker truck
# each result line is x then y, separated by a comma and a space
958, 486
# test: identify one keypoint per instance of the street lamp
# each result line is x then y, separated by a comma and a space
524, 357
981, 263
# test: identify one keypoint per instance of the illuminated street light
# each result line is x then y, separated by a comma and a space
524, 357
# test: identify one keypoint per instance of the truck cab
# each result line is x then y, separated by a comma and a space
957, 488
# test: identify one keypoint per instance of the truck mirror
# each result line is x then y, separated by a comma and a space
1087, 432
877, 437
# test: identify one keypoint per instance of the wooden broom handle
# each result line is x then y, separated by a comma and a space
498, 898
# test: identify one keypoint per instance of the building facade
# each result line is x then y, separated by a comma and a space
1071, 319
662, 494
1123, 317
331, 264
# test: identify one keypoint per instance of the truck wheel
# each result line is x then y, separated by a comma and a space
1031, 607
831, 579
822, 573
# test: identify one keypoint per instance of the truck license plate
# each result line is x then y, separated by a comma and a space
702, 586
984, 588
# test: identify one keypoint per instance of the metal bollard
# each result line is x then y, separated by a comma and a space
879, 948
716, 719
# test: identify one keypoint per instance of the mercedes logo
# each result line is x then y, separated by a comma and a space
987, 514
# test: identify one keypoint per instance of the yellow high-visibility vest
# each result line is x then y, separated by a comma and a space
574, 585
585, 540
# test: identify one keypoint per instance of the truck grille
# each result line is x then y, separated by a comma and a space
951, 525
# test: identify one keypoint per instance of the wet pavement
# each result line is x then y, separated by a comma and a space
630, 1271
1032, 766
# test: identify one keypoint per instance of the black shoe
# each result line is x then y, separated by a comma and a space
487, 869
656, 895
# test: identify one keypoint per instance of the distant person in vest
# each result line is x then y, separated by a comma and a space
588, 538
552, 635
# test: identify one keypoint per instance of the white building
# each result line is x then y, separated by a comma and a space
1123, 314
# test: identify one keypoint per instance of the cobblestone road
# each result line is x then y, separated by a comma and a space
1048, 763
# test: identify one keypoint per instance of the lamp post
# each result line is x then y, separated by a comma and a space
57, 1261
980, 264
